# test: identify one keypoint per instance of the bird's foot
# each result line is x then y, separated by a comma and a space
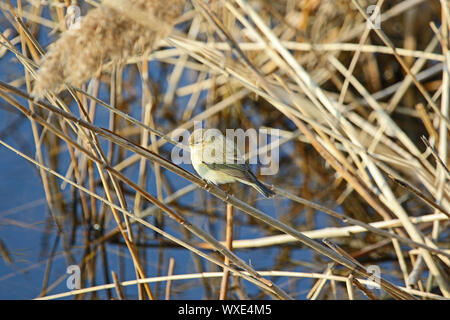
206, 185
227, 192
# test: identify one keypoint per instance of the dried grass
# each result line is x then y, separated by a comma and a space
364, 119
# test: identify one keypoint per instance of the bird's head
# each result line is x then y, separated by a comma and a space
203, 137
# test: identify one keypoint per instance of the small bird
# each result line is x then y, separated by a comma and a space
217, 160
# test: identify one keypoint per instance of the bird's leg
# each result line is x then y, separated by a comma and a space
206, 186
227, 192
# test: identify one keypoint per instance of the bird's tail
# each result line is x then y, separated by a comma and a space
266, 192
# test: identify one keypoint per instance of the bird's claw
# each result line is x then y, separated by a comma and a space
206, 185
227, 193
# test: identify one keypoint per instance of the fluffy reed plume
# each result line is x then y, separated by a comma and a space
114, 31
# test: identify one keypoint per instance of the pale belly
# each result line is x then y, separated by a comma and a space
212, 176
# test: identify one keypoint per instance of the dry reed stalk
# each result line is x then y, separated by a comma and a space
169, 274
117, 286
220, 274
229, 243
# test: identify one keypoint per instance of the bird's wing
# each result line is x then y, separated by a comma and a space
238, 171
222, 151
228, 159
232, 152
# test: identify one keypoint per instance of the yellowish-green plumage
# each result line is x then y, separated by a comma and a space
217, 160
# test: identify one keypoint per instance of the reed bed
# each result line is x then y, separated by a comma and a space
360, 103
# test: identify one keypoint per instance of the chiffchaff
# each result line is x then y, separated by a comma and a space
218, 160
